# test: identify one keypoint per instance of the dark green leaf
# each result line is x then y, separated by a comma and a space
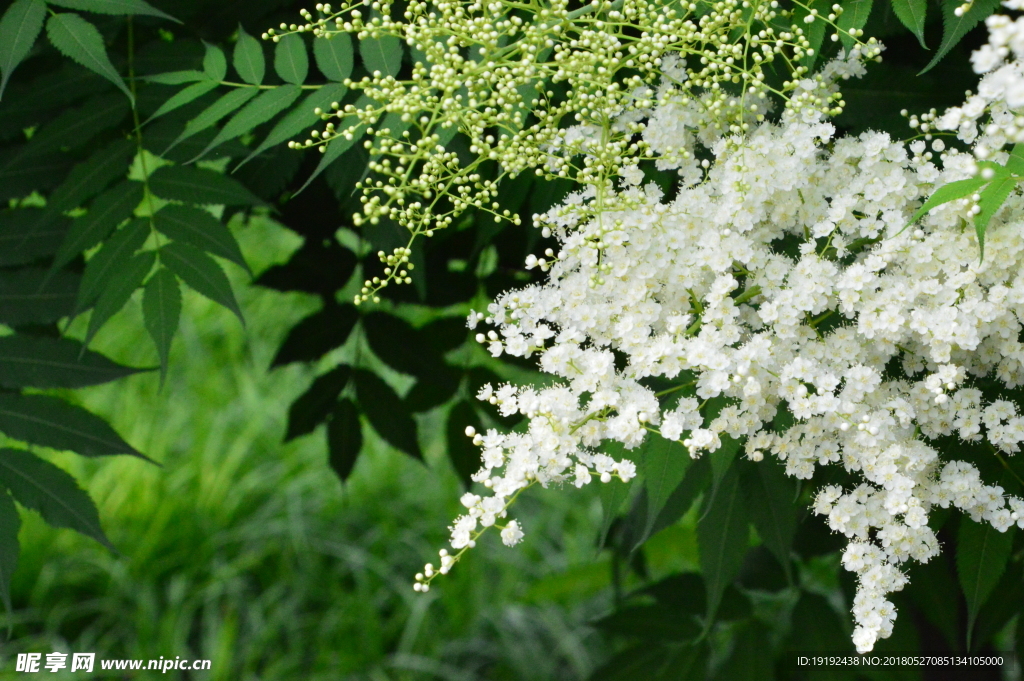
177, 77
722, 536
23, 239
75, 127
464, 455
215, 64
260, 110
312, 407
981, 556
401, 346
41, 362
116, 7
36, 296
954, 28
39, 485
92, 176
386, 413
435, 385
663, 464
615, 492
19, 28
997, 612
22, 174
119, 290
161, 308
199, 228
316, 335
290, 59
199, 186
930, 591
108, 211
10, 524
300, 118
382, 54
855, 16
992, 199
213, 113
344, 438
108, 263
77, 39
748, 659
51, 422
767, 488
721, 460
334, 56
202, 273
912, 13
248, 58
183, 97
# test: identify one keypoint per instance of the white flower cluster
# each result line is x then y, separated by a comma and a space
781, 276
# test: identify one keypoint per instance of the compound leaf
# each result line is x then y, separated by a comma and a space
77, 39
300, 118
213, 113
108, 210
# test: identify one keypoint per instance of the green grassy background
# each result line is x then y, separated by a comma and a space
251, 553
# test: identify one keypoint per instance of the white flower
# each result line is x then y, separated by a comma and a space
511, 535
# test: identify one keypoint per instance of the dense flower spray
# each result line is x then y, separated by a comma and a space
782, 275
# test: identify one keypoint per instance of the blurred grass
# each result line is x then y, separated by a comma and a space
252, 554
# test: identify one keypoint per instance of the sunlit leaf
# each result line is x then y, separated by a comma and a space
77, 39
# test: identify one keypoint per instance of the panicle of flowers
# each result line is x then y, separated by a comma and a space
508, 77
779, 277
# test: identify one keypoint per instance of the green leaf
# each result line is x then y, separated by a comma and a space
1015, 163
663, 464
176, 77
401, 346
248, 58
382, 54
300, 118
197, 227
36, 296
39, 485
161, 308
183, 97
108, 211
464, 455
954, 28
215, 64
92, 176
722, 537
344, 438
77, 39
108, 263
992, 199
41, 362
19, 28
855, 16
260, 110
335, 148
118, 290
815, 31
949, 192
766, 487
290, 59
913, 14
199, 186
317, 334
312, 407
200, 272
386, 413
334, 56
213, 113
116, 7
51, 422
24, 239
981, 556
10, 524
